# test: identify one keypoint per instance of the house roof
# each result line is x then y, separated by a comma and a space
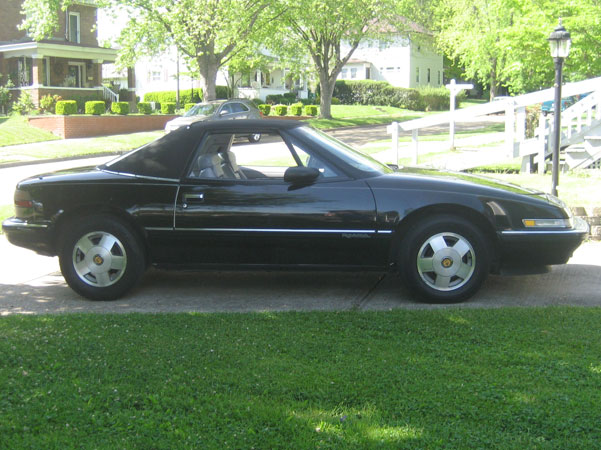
57, 49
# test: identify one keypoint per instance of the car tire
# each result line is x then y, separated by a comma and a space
444, 259
100, 257
254, 138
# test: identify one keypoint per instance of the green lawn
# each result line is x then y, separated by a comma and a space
498, 378
356, 115
15, 130
79, 147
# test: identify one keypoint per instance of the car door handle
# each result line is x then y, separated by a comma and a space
193, 198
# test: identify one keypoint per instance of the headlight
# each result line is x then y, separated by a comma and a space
548, 223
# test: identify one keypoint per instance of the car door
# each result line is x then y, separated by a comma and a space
255, 217
233, 110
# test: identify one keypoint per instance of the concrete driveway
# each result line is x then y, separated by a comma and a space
32, 284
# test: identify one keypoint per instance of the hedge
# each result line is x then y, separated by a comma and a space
296, 109
120, 108
287, 98
381, 93
168, 108
265, 109
310, 110
222, 92
66, 107
280, 110
144, 108
436, 99
95, 107
185, 96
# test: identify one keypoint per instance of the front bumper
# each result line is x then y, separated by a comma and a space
541, 247
36, 236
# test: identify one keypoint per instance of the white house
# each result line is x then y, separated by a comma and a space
401, 61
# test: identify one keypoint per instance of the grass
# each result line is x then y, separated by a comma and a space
80, 147
358, 115
15, 130
6, 211
500, 378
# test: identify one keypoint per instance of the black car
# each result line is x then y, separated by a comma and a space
199, 198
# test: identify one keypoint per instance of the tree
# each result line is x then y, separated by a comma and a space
210, 32
319, 28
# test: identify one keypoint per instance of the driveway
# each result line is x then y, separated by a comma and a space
32, 284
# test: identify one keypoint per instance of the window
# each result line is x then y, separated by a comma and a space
417, 75
343, 73
428, 76
74, 29
367, 73
232, 156
353, 72
24, 71
439, 77
155, 75
75, 75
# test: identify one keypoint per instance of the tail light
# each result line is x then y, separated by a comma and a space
23, 204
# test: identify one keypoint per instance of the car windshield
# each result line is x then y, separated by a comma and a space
346, 153
201, 109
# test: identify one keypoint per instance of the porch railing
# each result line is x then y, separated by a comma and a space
109, 94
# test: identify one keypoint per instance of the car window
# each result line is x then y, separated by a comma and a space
229, 156
238, 107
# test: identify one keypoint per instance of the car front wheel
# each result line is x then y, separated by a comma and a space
100, 257
444, 259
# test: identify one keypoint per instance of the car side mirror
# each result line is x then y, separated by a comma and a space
301, 175
223, 112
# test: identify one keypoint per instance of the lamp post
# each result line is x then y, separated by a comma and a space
560, 42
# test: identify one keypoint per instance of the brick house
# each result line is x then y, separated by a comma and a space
69, 63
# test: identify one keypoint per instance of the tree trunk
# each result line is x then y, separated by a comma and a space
208, 77
326, 85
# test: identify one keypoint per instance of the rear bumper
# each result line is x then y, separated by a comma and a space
33, 236
541, 247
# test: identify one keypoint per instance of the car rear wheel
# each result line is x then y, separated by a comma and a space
256, 137
444, 259
100, 257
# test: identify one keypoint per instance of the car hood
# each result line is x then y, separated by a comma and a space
181, 121
434, 179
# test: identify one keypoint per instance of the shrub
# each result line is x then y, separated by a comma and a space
185, 96
435, 99
310, 110
24, 105
95, 108
189, 106
265, 109
222, 92
144, 108
281, 99
168, 108
368, 92
82, 99
66, 107
48, 103
280, 110
120, 108
335, 101
296, 109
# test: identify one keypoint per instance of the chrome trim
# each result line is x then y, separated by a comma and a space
580, 227
271, 230
142, 177
17, 223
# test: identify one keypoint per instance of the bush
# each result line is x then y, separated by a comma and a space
222, 92
95, 108
66, 107
168, 108
310, 110
280, 110
281, 99
144, 108
265, 109
185, 96
120, 108
48, 103
82, 99
381, 93
296, 109
435, 99
189, 106
24, 105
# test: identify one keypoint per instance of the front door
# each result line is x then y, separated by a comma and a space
235, 207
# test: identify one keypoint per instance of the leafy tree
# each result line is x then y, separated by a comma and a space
319, 28
210, 32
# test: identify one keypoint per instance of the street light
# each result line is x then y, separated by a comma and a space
560, 43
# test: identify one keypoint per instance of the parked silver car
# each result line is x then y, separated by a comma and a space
218, 110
